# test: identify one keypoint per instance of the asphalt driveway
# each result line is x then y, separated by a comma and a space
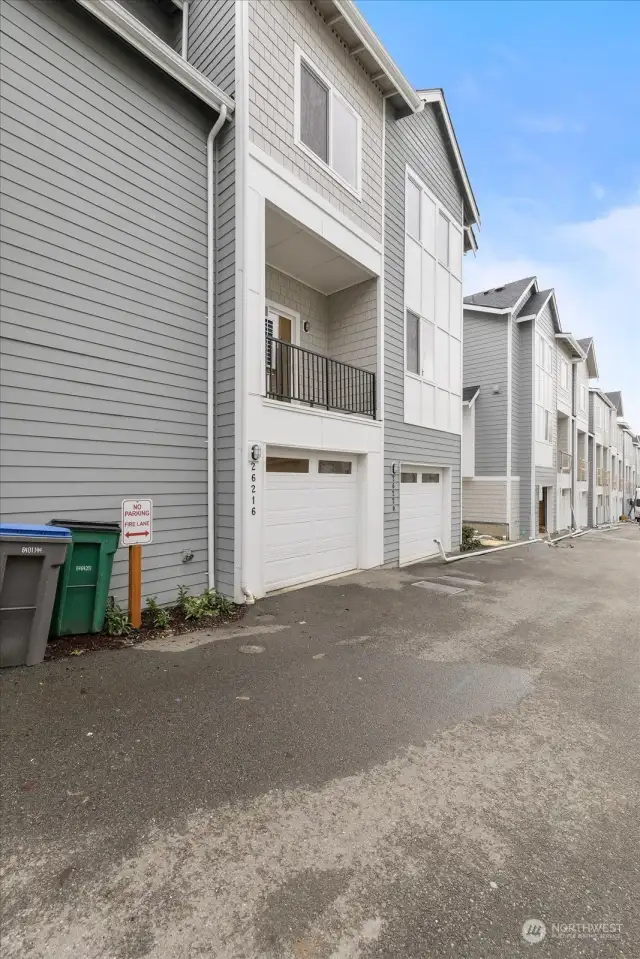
395, 763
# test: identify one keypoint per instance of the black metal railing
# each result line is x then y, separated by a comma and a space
296, 374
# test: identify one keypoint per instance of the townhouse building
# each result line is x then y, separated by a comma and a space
210, 210
545, 449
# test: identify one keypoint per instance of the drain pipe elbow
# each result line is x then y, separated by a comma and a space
249, 598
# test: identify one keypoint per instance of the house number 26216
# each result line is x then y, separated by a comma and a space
253, 492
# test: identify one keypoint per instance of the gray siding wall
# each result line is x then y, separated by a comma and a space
275, 27
523, 389
211, 50
104, 288
418, 141
353, 325
312, 306
165, 24
485, 364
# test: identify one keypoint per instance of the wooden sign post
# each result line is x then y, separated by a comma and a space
137, 529
135, 586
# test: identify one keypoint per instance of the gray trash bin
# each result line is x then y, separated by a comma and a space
30, 559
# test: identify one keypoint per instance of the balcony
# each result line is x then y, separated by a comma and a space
564, 461
298, 375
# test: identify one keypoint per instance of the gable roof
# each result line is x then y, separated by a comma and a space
603, 396
588, 346
536, 304
504, 298
616, 399
436, 98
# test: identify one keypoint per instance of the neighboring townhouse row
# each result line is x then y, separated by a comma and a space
544, 450
233, 284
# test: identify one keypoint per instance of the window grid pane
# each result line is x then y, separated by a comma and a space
314, 113
413, 343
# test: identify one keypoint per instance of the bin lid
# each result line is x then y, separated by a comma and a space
23, 530
80, 524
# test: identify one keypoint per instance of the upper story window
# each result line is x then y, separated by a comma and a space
326, 126
544, 390
598, 414
583, 397
564, 374
433, 311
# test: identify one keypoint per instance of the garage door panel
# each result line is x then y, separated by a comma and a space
421, 514
310, 524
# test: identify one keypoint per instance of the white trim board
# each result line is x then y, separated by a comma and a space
302, 204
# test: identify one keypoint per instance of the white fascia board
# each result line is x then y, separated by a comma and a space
603, 396
350, 13
149, 45
485, 309
437, 96
525, 294
573, 343
471, 237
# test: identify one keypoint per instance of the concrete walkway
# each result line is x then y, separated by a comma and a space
395, 763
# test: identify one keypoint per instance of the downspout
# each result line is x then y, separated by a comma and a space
478, 553
185, 30
211, 351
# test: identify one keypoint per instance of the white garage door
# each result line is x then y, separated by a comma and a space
421, 512
311, 516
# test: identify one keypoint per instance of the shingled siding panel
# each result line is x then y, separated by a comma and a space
418, 141
211, 50
104, 294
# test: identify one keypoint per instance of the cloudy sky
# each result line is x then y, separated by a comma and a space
545, 99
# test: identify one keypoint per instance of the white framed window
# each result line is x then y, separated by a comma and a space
564, 374
327, 128
583, 397
433, 310
544, 390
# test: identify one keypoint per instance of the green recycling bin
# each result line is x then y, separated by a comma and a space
83, 583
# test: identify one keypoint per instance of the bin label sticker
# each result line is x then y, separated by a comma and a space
137, 522
32, 549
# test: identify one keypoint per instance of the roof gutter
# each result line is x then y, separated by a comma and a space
350, 13
160, 53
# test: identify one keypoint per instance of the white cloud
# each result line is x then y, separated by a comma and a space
549, 123
594, 267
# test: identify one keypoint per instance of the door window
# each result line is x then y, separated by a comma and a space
342, 467
286, 464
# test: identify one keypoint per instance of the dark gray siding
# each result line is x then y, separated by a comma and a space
523, 387
485, 364
418, 141
165, 22
211, 50
104, 287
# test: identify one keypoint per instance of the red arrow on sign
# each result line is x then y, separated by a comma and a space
143, 533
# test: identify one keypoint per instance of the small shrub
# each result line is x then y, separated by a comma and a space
159, 618
116, 620
469, 540
183, 595
197, 608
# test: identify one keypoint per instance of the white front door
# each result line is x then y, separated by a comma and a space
421, 512
311, 516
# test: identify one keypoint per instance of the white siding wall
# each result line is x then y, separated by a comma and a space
484, 500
